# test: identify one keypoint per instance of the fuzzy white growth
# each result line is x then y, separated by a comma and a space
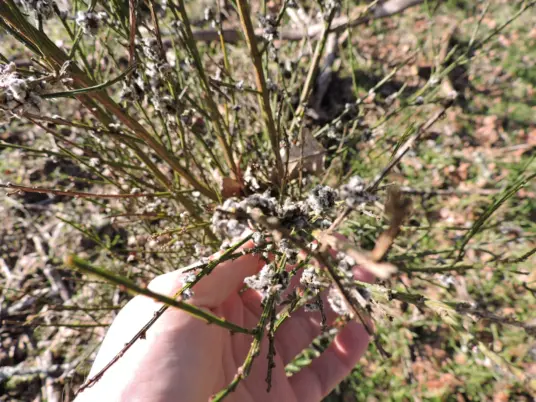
94, 162
262, 279
164, 104
311, 307
230, 219
177, 245
269, 27
294, 215
312, 280
154, 206
200, 250
447, 280
131, 92
152, 85
208, 14
151, 49
43, 9
354, 193
268, 282
324, 223
291, 253
355, 295
321, 199
266, 203
259, 239
225, 222
271, 86
345, 266
188, 279
240, 85
187, 294
18, 94
251, 180
336, 301
19, 89
90, 22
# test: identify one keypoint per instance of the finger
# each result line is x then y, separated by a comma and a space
299, 330
215, 288
324, 373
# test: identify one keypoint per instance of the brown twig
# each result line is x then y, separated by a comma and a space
77, 194
398, 208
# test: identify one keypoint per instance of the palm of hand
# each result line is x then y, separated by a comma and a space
184, 359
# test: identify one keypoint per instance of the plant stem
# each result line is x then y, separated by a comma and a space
213, 108
313, 70
264, 97
255, 348
77, 194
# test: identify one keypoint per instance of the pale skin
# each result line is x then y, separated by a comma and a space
183, 358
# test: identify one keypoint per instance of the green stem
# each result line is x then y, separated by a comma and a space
255, 347
84, 266
94, 88
264, 97
209, 99
313, 70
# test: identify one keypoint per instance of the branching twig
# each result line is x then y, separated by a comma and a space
452, 310
254, 350
322, 257
392, 163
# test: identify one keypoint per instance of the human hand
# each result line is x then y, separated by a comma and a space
182, 358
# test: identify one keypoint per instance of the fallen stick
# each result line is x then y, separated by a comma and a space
384, 10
